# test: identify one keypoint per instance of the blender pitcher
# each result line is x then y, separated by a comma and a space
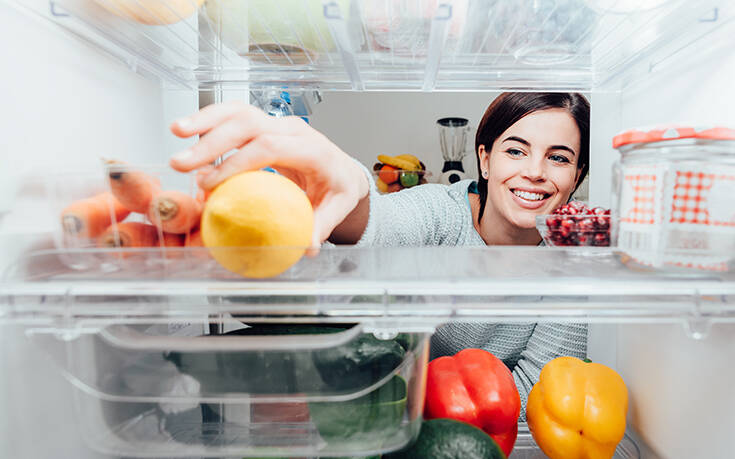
453, 143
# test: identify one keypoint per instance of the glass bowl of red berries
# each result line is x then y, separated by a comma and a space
575, 224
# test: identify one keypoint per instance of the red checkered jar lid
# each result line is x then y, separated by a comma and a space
673, 132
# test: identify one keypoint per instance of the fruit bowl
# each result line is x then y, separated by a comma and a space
405, 179
575, 224
394, 173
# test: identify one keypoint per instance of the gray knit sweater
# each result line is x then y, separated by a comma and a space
431, 215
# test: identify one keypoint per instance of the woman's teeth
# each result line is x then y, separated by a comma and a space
527, 195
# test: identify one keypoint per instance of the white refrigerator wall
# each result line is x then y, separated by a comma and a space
681, 396
65, 105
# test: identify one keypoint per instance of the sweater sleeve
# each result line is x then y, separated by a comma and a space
418, 216
548, 341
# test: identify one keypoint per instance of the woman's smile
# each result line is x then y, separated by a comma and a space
530, 199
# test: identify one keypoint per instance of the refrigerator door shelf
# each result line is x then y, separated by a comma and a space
396, 44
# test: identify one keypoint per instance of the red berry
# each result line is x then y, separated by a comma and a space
586, 225
553, 221
599, 211
578, 205
563, 210
567, 226
602, 240
557, 239
602, 222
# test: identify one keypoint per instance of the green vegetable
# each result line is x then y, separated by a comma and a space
450, 439
254, 372
407, 341
359, 363
367, 420
353, 366
261, 372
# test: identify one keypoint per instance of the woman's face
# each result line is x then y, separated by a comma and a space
532, 167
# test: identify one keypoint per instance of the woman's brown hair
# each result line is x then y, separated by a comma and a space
509, 107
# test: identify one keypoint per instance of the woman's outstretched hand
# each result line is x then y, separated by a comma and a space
332, 180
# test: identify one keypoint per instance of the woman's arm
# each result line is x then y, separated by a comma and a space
347, 207
353, 226
548, 341
424, 215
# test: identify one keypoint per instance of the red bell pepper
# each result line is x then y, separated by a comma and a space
476, 387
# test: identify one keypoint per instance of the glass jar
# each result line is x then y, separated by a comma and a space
674, 193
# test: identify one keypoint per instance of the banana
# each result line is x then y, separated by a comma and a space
413, 159
399, 163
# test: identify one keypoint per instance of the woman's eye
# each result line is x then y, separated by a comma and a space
559, 158
514, 152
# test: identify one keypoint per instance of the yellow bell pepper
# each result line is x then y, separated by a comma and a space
577, 409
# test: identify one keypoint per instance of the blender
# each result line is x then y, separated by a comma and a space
453, 143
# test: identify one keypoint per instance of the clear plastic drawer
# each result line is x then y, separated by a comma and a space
153, 390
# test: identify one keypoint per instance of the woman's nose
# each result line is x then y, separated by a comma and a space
534, 170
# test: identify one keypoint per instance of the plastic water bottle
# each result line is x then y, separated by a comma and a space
279, 105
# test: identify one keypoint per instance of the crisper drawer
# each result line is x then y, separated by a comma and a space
280, 390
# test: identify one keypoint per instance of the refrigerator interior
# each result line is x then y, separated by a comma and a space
88, 84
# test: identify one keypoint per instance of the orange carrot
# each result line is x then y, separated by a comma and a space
91, 216
172, 240
194, 239
134, 189
129, 234
171, 243
175, 212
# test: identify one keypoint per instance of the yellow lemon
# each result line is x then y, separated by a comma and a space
152, 12
265, 218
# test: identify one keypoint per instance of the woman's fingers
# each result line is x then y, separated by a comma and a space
265, 150
202, 173
234, 132
208, 117
217, 142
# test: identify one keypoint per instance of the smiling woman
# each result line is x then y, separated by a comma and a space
532, 152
